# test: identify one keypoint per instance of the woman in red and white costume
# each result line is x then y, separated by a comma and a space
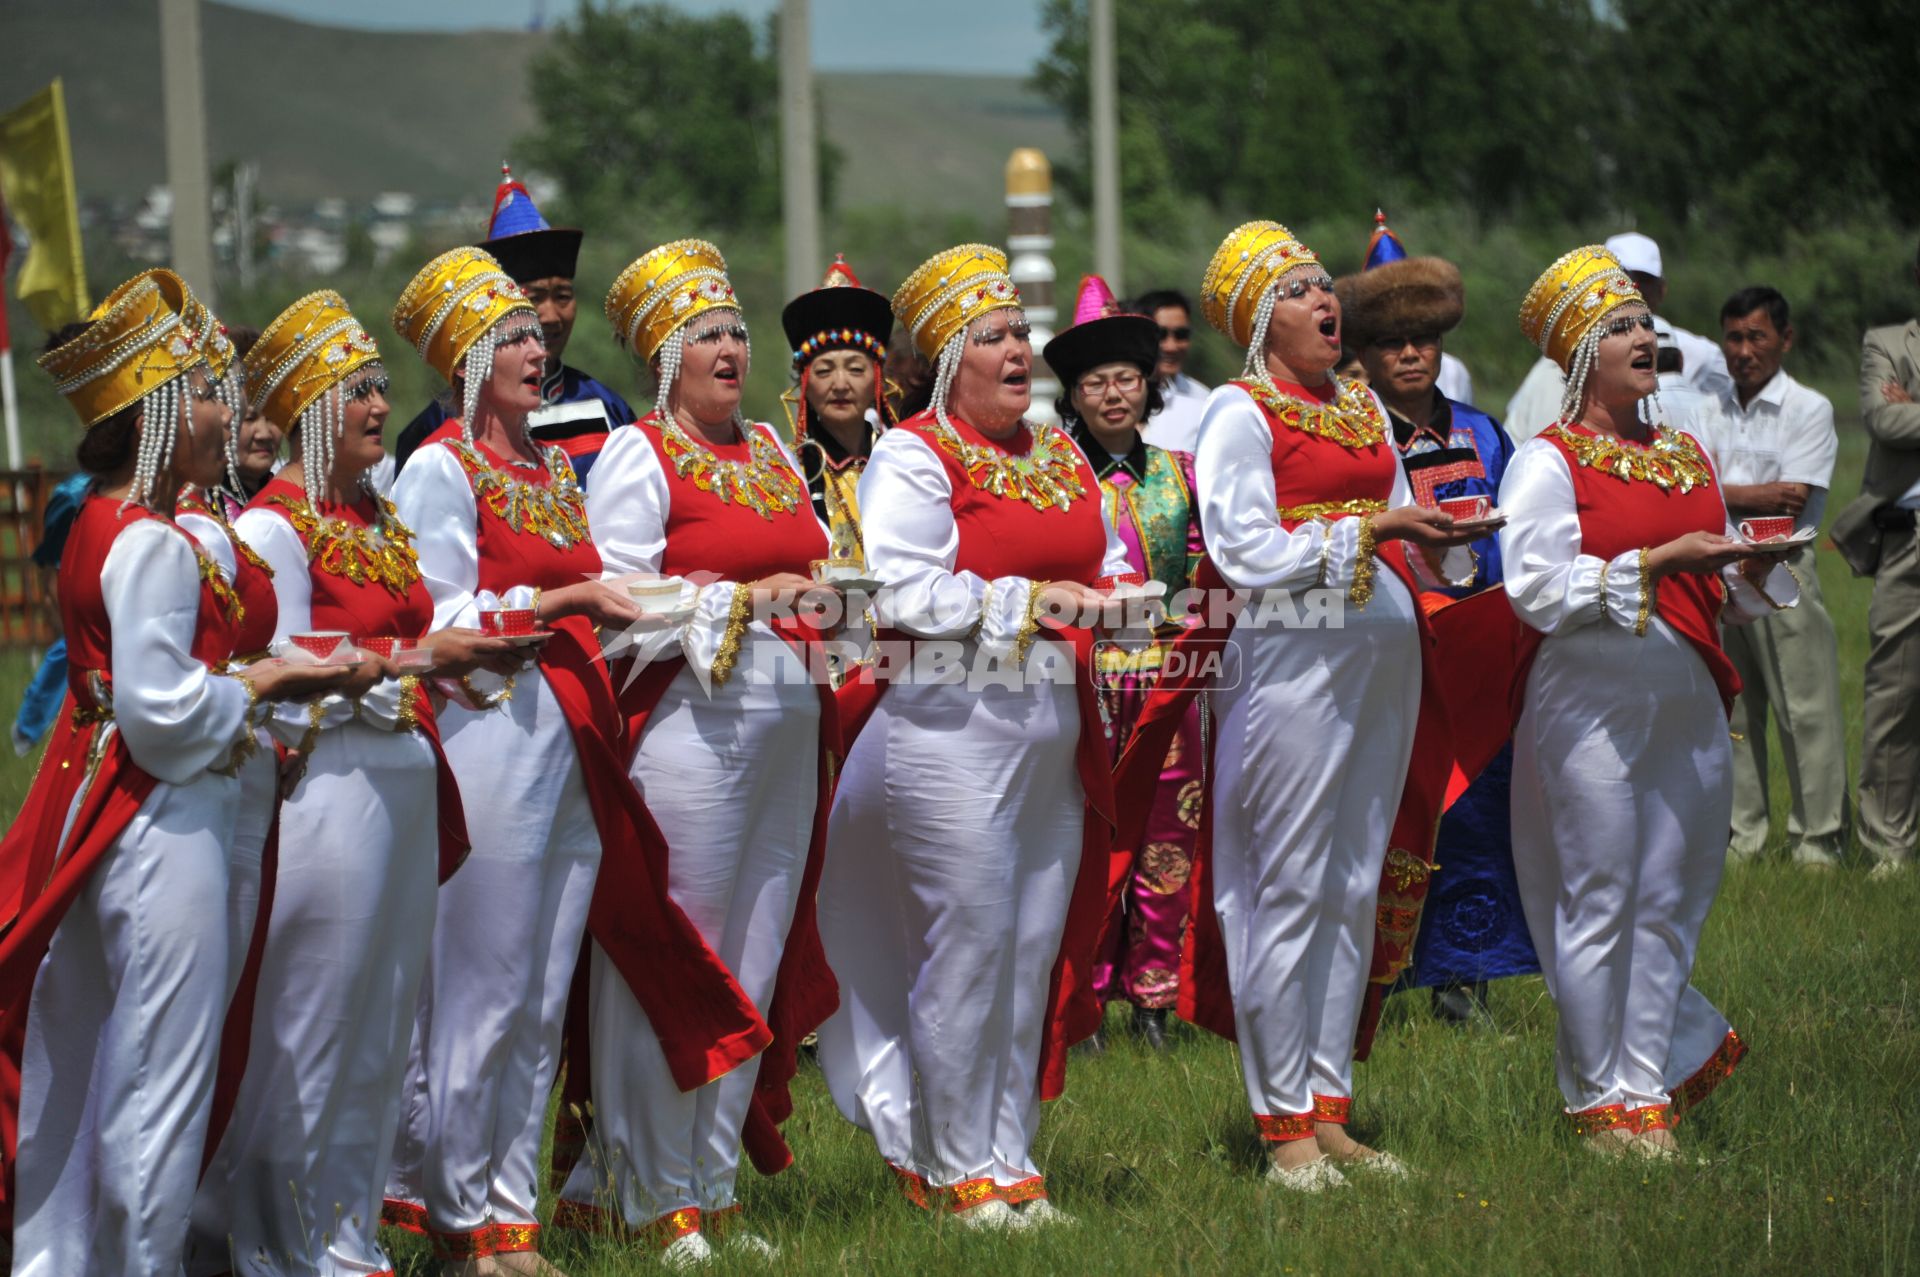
1620, 554
112, 988
541, 763
295, 1185
725, 715
1300, 492
961, 823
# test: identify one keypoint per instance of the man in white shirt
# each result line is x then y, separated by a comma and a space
1176, 426
1773, 442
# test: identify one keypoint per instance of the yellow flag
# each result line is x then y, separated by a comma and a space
36, 181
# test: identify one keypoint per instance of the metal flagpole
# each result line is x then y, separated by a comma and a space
184, 99
1106, 144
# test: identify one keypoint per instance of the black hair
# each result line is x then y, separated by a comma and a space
107, 446
243, 337
1758, 297
1147, 303
1668, 359
1070, 416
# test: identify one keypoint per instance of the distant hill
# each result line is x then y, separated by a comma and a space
327, 111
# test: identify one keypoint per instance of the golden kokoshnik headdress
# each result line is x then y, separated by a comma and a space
463, 306
1562, 313
662, 291
297, 370
1237, 293
940, 301
139, 346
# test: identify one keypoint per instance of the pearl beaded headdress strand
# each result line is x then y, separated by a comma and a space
673, 353
512, 328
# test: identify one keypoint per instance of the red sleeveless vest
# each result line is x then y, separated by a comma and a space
1007, 536
365, 608
728, 537
1619, 514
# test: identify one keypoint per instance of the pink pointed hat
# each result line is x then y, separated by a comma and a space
1102, 333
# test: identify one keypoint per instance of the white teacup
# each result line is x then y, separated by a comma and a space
656, 596
829, 571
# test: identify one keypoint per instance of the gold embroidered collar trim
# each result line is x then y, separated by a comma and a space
764, 483
1672, 460
555, 511
1047, 476
382, 555
1352, 420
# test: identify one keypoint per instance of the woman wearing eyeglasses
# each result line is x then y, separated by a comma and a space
1302, 497
368, 802
1106, 362
726, 705
966, 884
542, 766
1621, 559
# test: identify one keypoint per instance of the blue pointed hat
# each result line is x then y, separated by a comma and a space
1385, 246
519, 237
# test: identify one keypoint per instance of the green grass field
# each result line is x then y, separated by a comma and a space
1812, 1150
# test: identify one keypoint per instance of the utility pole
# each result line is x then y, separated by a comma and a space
183, 99
799, 168
1030, 241
1106, 145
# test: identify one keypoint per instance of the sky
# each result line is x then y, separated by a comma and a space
1000, 37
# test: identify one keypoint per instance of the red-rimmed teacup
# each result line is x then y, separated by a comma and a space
384, 646
1466, 509
1130, 581
508, 622
1772, 527
320, 643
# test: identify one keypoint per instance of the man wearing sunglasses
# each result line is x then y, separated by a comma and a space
1176, 426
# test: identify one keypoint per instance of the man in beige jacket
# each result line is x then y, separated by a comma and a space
1876, 535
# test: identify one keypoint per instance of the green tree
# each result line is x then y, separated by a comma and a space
647, 106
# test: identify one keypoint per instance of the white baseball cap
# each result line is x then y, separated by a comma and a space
1637, 253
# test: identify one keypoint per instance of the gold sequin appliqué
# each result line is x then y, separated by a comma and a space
1047, 476
382, 554
223, 594
764, 482
1352, 420
1672, 460
556, 512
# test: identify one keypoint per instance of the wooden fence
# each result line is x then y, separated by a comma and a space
28, 617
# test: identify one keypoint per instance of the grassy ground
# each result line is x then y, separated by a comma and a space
1812, 1161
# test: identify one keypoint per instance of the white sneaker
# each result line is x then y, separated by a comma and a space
994, 1215
689, 1251
1041, 1213
752, 1245
1316, 1176
1886, 869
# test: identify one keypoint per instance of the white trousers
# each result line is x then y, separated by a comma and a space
1314, 731
732, 779
506, 937
122, 1037
295, 1187
1622, 792
253, 818
952, 850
